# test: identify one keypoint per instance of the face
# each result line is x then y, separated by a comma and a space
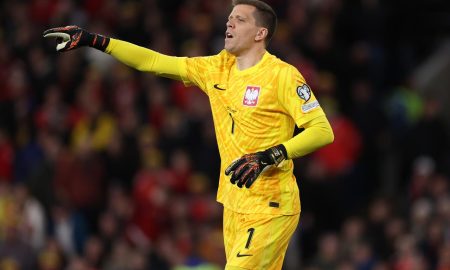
242, 33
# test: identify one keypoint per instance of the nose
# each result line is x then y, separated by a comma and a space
229, 24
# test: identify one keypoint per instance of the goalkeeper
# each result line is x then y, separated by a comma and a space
256, 101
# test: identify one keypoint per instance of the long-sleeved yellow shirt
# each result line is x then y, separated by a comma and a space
253, 109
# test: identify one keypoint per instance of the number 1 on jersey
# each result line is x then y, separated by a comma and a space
250, 236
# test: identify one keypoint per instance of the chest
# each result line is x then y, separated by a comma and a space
247, 93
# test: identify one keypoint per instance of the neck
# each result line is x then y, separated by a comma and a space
250, 58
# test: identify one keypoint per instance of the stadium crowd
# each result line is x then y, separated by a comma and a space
103, 167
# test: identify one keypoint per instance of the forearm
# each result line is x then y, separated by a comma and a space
147, 60
246, 169
317, 133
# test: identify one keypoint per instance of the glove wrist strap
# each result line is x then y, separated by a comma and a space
98, 41
277, 154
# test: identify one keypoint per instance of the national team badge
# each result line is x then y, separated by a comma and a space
304, 92
251, 96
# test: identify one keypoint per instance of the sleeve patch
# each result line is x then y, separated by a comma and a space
304, 92
309, 106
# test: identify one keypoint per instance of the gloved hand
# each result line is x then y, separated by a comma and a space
72, 37
245, 170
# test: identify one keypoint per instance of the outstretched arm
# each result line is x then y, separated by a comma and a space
144, 59
140, 58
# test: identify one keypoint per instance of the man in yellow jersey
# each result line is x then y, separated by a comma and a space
256, 101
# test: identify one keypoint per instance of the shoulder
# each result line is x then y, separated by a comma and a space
281, 65
223, 58
288, 75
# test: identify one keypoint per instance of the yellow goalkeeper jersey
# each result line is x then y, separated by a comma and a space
254, 109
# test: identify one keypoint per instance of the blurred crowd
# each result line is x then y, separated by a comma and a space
103, 167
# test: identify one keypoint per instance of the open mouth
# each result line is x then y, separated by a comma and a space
228, 35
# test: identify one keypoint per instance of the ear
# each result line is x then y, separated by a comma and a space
261, 34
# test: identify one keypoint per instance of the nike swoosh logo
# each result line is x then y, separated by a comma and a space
219, 88
243, 255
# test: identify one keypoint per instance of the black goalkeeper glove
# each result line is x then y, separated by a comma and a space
72, 37
246, 169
